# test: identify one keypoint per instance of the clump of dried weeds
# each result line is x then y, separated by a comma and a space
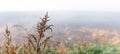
36, 42
10, 48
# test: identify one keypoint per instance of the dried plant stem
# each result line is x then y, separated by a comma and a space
36, 41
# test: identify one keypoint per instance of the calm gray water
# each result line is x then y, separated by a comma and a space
58, 18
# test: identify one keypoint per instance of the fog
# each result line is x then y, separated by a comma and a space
69, 18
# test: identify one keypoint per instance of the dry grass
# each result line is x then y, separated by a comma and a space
10, 48
36, 42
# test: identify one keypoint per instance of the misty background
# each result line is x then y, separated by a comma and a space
107, 20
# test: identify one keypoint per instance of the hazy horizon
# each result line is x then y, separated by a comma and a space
73, 18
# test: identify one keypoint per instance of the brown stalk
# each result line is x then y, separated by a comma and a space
37, 41
10, 48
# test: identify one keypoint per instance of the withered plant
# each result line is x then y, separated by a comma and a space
40, 40
10, 48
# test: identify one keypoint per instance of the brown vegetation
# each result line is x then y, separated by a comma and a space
40, 40
35, 41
